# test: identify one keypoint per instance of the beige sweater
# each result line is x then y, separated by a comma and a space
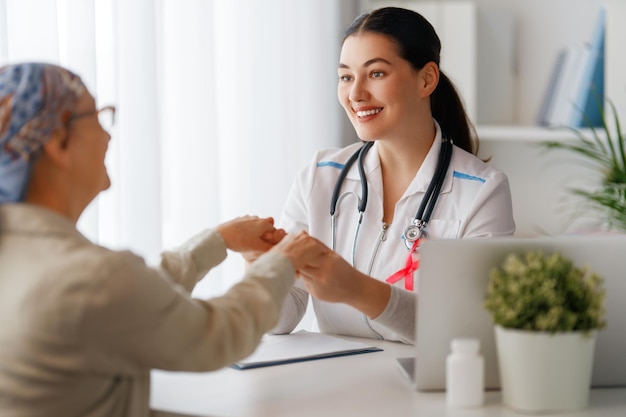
81, 326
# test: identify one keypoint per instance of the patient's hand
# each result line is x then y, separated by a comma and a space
250, 234
302, 250
270, 237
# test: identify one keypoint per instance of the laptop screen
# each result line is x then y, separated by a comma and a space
452, 282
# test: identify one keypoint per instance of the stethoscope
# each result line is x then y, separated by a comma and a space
419, 226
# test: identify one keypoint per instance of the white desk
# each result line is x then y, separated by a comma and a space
362, 385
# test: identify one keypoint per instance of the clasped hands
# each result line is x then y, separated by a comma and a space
326, 275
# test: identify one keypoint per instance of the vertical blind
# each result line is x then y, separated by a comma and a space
219, 104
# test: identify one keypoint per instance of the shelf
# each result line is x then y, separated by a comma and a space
522, 133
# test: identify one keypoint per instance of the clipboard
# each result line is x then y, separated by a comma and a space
301, 346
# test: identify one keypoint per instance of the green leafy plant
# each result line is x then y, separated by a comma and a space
546, 293
607, 152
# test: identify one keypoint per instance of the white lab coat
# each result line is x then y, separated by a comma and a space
475, 201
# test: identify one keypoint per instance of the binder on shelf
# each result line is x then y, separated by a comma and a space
589, 99
574, 96
563, 104
549, 98
558, 99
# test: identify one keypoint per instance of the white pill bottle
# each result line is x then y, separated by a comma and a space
465, 374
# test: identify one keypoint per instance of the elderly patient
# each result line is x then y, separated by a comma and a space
81, 325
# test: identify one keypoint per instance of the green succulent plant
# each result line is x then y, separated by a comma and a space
539, 292
605, 151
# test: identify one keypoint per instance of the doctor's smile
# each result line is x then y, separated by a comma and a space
364, 112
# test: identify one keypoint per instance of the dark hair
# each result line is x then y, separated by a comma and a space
419, 44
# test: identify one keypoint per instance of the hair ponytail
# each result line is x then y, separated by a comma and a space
447, 108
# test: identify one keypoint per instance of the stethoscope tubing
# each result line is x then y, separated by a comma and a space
359, 157
417, 228
432, 192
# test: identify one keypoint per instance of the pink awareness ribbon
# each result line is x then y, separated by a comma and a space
410, 266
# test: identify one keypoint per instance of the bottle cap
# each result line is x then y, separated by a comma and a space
468, 346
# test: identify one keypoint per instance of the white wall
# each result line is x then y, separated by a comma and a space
541, 180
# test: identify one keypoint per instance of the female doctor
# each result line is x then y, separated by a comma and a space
414, 176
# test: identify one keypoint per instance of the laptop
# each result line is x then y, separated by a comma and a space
453, 279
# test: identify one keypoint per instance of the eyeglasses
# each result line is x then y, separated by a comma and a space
106, 117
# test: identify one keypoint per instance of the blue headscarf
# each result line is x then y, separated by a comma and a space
35, 100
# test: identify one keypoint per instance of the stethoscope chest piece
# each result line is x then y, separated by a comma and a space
414, 232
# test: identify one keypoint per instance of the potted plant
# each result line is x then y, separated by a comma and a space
604, 148
546, 313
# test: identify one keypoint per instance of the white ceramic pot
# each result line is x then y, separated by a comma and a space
544, 372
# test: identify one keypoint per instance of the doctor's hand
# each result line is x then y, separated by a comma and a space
302, 250
250, 234
334, 280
